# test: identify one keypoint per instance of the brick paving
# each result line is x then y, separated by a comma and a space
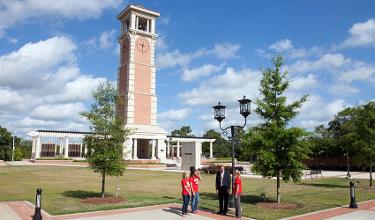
337, 212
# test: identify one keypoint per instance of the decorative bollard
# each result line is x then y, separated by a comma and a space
38, 205
353, 203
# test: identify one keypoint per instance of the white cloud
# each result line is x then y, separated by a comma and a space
317, 111
33, 61
281, 46
360, 73
202, 71
42, 86
12, 40
163, 20
173, 118
106, 39
361, 34
327, 61
16, 12
58, 112
225, 50
343, 89
174, 58
232, 84
302, 83
174, 114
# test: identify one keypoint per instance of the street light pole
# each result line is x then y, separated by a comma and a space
219, 115
348, 164
13, 148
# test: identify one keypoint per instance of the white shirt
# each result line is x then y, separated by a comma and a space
221, 178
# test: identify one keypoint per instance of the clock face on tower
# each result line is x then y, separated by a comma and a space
142, 45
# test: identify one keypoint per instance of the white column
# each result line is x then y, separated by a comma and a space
167, 150
80, 150
37, 148
33, 150
86, 150
66, 147
55, 149
133, 23
178, 149
211, 151
61, 146
137, 23
153, 145
135, 149
153, 26
172, 153
148, 25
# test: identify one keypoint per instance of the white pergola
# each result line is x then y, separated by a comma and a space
179, 140
63, 136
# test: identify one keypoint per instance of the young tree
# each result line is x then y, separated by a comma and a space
279, 149
364, 136
105, 144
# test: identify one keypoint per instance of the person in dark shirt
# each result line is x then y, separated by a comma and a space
223, 184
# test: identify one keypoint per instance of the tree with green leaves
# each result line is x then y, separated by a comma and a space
364, 136
279, 149
105, 143
184, 131
5, 144
221, 145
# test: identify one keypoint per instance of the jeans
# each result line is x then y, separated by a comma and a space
185, 204
237, 203
194, 202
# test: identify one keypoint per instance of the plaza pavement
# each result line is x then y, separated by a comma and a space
23, 210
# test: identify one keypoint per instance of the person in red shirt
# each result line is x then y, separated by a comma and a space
237, 192
195, 179
186, 191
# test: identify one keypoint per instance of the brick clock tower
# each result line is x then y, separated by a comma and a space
136, 84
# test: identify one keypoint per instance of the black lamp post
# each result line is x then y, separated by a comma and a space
38, 205
338, 134
219, 115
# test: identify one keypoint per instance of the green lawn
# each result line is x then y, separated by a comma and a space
64, 187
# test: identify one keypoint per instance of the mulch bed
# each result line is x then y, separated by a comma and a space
105, 200
273, 205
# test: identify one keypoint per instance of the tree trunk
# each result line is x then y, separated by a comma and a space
103, 185
278, 189
370, 176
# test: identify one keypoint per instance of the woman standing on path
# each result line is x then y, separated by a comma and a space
237, 192
186, 191
195, 179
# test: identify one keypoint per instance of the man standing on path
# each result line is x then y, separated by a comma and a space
222, 189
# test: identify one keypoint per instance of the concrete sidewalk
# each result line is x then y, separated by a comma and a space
23, 210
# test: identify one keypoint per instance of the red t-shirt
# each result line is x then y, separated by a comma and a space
185, 183
194, 183
238, 185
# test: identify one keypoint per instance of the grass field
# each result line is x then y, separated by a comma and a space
64, 187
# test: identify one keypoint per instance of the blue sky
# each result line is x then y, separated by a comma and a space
54, 53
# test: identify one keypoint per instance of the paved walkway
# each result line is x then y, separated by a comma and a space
22, 210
